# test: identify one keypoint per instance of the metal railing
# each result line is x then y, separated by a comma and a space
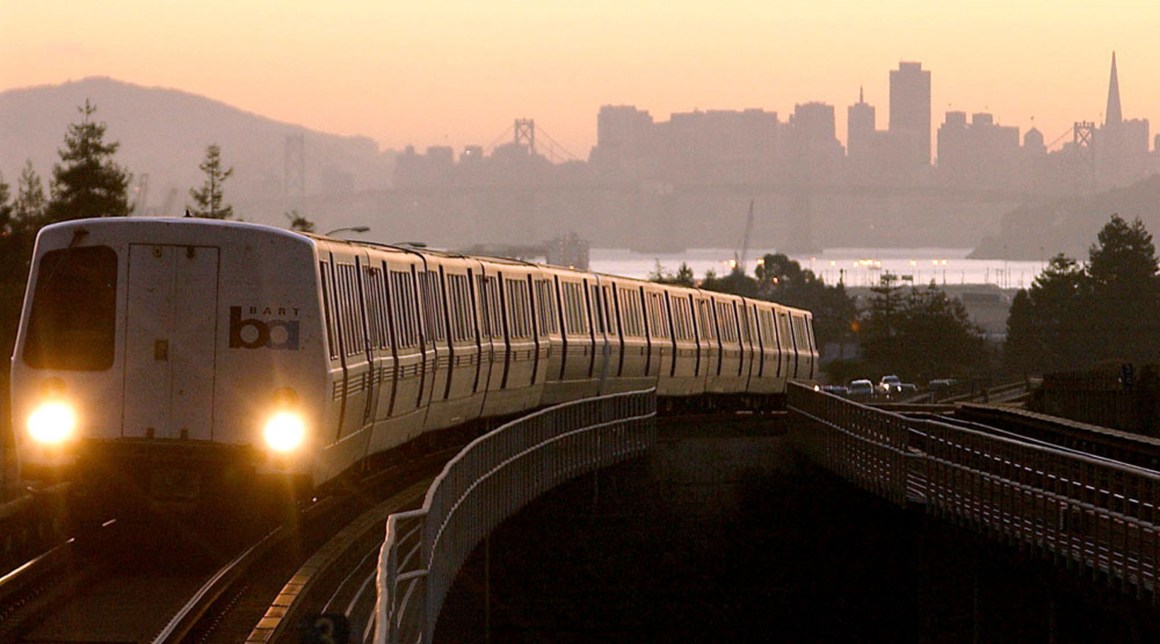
490, 480
1076, 509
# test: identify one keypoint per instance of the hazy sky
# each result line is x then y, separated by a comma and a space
456, 72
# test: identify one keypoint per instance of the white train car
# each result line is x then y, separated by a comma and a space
167, 358
167, 347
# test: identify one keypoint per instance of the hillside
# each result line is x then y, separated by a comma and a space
1070, 225
164, 133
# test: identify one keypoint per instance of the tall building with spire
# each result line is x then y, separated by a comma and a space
1121, 146
859, 129
1113, 115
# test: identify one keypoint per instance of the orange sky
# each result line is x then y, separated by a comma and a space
457, 72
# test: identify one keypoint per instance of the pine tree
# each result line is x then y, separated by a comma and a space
1125, 292
30, 204
208, 200
87, 182
6, 208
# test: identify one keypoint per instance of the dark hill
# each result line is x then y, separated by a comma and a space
164, 134
1070, 225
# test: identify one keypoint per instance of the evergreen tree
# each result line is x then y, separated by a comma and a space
1072, 317
683, 276
6, 208
921, 335
30, 204
87, 182
736, 282
1125, 290
1024, 348
208, 199
1124, 260
1052, 330
21, 219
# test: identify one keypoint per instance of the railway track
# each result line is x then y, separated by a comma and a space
176, 583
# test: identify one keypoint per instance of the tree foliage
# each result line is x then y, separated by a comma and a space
920, 335
1074, 316
783, 280
299, 222
209, 201
87, 182
31, 203
683, 276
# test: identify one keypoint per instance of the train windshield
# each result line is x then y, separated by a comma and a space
73, 318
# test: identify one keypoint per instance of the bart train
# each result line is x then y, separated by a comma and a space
178, 354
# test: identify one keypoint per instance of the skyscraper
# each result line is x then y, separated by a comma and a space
859, 128
1114, 115
910, 108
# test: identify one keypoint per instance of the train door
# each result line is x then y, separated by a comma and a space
602, 349
380, 348
408, 337
170, 341
748, 341
804, 346
352, 330
789, 349
613, 349
548, 324
662, 348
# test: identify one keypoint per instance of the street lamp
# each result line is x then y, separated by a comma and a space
353, 229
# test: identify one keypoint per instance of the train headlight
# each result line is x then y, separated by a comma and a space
285, 431
52, 423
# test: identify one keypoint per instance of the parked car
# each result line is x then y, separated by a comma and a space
890, 385
861, 389
837, 390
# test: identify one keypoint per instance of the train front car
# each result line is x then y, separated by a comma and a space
166, 360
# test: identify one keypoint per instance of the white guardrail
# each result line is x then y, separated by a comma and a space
490, 480
1086, 510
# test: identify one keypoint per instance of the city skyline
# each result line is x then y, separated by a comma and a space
458, 73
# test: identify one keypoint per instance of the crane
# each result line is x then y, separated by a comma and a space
745, 240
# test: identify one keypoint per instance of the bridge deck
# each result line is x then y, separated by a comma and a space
725, 534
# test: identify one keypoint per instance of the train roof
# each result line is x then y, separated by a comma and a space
118, 222
114, 222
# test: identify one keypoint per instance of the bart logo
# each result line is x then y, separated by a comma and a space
252, 333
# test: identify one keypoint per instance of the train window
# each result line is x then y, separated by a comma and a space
405, 311
658, 318
799, 332
744, 323
376, 308
606, 306
768, 333
599, 320
682, 324
575, 321
485, 314
350, 313
489, 295
630, 313
519, 308
328, 313
459, 307
727, 322
705, 320
432, 305
783, 331
72, 323
547, 313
